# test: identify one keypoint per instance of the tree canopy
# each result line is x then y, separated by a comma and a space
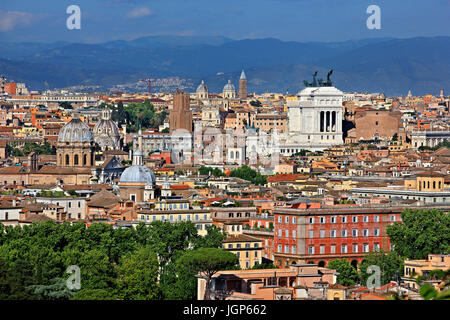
207, 261
420, 233
348, 275
247, 173
390, 263
114, 263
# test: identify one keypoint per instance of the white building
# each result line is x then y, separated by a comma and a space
314, 121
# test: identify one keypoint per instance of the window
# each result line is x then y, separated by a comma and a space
286, 220
355, 219
311, 234
366, 219
311, 250
355, 248
286, 249
279, 219
256, 254
311, 220
365, 248
246, 254
322, 249
376, 247
322, 233
333, 248
322, 220
279, 248
333, 219
365, 232
344, 233
294, 220
354, 232
286, 233
376, 232
333, 233
392, 218
376, 219
344, 248
344, 219
294, 250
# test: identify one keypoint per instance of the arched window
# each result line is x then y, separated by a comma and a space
84, 159
67, 160
75, 160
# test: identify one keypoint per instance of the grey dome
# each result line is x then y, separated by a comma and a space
138, 174
229, 87
202, 87
75, 131
106, 133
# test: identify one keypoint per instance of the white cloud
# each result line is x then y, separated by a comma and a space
139, 13
10, 19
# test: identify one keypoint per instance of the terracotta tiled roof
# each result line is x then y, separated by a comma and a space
285, 177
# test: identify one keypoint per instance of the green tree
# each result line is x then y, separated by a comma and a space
420, 233
206, 262
390, 264
348, 276
247, 173
213, 171
213, 238
138, 275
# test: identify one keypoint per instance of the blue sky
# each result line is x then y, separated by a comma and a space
297, 20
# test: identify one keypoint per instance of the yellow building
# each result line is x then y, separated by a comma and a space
247, 248
426, 181
200, 218
414, 268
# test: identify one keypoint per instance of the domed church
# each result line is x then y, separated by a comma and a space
229, 91
138, 183
75, 145
106, 132
202, 91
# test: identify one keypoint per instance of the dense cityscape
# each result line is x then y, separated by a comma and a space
224, 159
227, 196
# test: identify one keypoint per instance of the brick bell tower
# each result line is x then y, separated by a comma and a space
181, 115
243, 86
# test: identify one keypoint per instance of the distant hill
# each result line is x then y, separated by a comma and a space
385, 65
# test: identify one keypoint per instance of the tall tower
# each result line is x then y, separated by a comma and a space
243, 86
181, 115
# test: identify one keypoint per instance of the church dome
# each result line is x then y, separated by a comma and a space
106, 133
75, 131
138, 174
229, 87
202, 87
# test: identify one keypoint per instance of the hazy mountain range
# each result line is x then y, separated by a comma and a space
393, 66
